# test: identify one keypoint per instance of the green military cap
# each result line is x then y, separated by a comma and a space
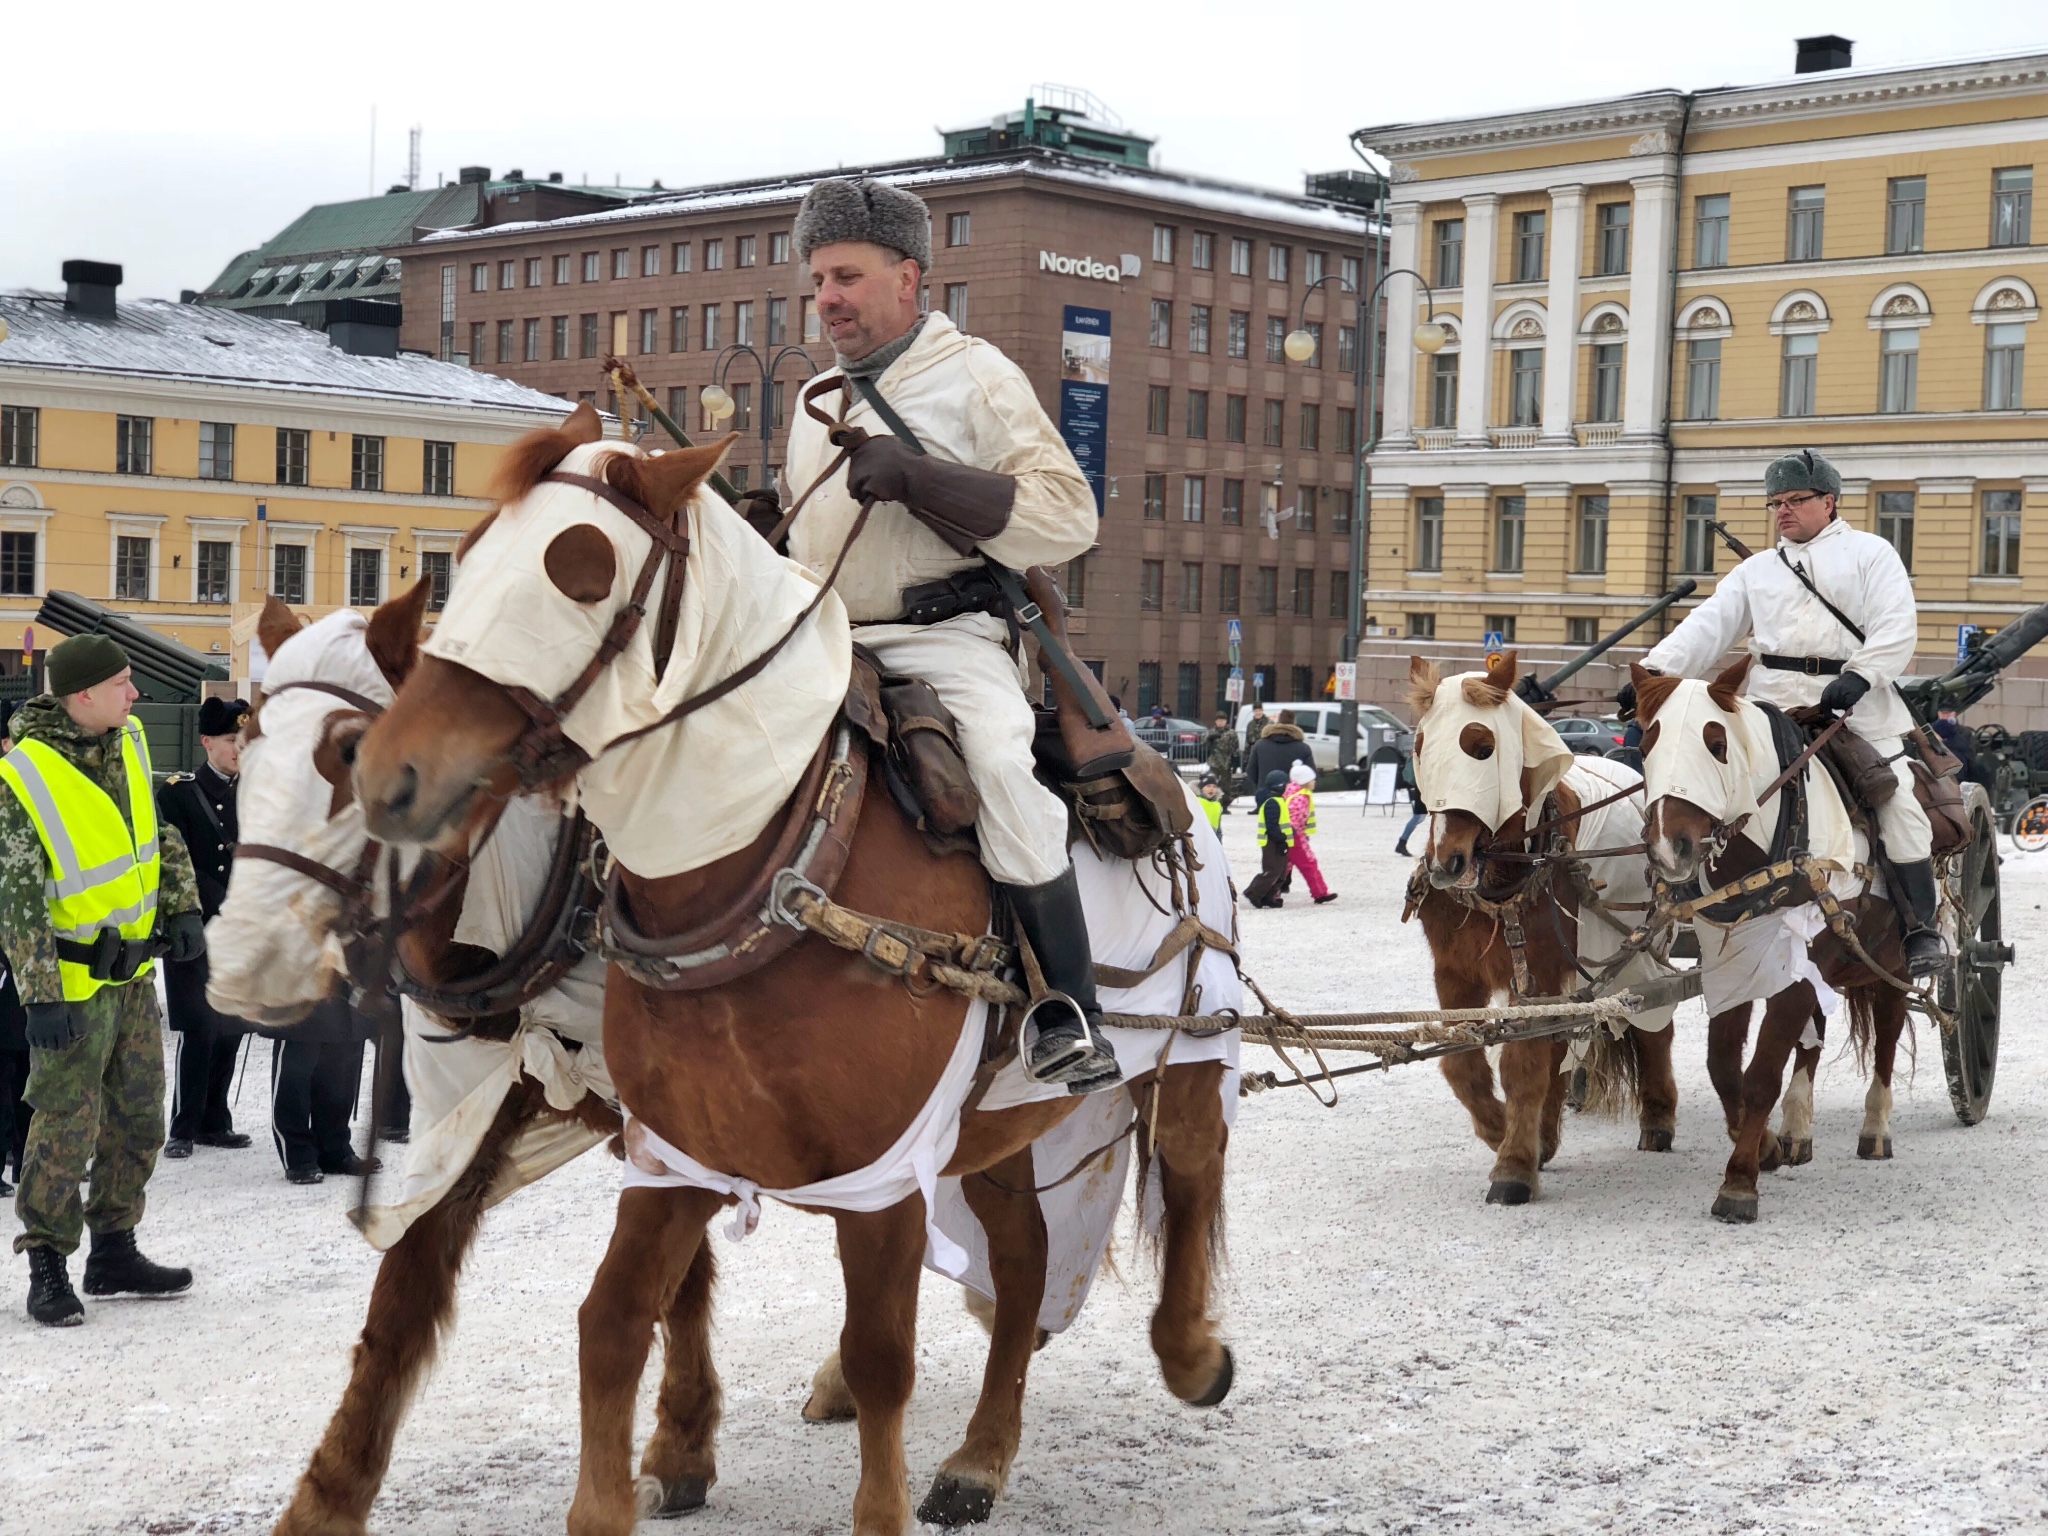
1802, 471
83, 661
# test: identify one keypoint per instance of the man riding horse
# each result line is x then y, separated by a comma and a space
1834, 624
995, 479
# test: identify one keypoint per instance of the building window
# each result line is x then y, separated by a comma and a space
1233, 418
1227, 579
1158, 409
1314, 330
591, 269
17, 565
679, 328
956, 305
1898, 371
365, 577
1162, 244
1502, 624
589, 337
1198, 413
1895, 523
1275, 423
1188, 689
479, 277
18, 430
1269, 590
559, 338
131, 568
1232, 514
744, 250
216, 450
679, 256
2012, 205
2005, 363
650, 261
1805, 224
1696, 536
1340, 597
1314, 265
958, 228
711, 327
1607, 382
1525, 387
2001, 533
1592, 540
1582, 631
1276, 339
366, 463
1443, 390
1703, 379
1799, 378
1421, 626
437, 468
1710, 230
1162, 323
778, 316
714, 255
1190, 586
1613, 255
288, 572
1347, 349
210, 562
477, 356
742, 407
1905, 215
1304, 605
562, 269
1510, 529
508, 274
1148, 685
1429, 533
1276, 263
1311, 440
533, 271
1239, 339
1151, 584
1340, 510
622, 265
1198, 328
743, 323
132, 437
1194, 498
1155, 498
1305, 509
1202, 251
1347, 429
291, 456
531, 351
1529, 231
1450, 253
1240, 258
437, 570
679, 403
1077, 582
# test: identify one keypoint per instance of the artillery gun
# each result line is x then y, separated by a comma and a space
170, 677
2012, 767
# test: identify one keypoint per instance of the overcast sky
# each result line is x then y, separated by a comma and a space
170, 137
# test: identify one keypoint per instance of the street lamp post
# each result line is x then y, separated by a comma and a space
718, 402
1300, 346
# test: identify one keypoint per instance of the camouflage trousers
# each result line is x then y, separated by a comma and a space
99, 1101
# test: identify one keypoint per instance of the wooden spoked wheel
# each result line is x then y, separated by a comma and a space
1971, 923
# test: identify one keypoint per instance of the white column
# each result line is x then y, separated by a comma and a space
1561, 333
1397, 405
1475, 365
1649, 305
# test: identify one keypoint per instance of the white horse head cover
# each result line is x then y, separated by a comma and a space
1453, 779
1684, 768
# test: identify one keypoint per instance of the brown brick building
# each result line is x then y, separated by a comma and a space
1225, 471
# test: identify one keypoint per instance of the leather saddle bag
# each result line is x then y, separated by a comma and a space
1857, 764
925, 743
1938, 784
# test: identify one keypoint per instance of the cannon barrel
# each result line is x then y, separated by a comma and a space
1974, 677
1540, 693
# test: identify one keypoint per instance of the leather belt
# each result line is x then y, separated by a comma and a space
1812, 666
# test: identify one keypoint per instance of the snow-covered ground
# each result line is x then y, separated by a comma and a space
1871, 1357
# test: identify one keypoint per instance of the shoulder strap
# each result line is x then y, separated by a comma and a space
1799, 571
887, 412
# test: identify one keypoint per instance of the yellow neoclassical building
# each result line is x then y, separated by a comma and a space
177, 463
1650, 297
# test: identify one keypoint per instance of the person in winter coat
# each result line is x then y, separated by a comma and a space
1254, 728
989, 478
1418, 813
1276, 836
316, 1076
92, 889
1301, 815
1210, 798
1280, 748
1224, 755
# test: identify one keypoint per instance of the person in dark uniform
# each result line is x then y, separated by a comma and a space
202, 807
316, 1077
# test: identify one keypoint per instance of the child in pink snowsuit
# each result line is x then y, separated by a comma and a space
1301, 811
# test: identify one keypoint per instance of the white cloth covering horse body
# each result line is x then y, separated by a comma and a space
1505, 920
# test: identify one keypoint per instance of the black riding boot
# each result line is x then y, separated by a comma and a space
1060, 1037
1926, 951
51, 1301
115, 1267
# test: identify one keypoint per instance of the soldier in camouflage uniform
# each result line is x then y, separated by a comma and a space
96, 1077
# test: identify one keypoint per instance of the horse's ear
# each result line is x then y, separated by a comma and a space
1423, 682
1500, 671
394, 636
1727, 688
1652, 689
276, 624
584, 425
668, 480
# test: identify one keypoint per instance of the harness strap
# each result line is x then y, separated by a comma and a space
333, 690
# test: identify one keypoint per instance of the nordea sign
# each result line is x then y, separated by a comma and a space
1088, 267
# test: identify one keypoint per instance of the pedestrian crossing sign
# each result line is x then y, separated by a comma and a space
1495, 643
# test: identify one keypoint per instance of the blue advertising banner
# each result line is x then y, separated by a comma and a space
1084, 393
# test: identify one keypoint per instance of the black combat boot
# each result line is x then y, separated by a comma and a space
1926, 951
51, 1301
116, 1268
1060, 1034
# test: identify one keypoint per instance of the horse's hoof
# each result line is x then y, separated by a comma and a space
1873, 1149
1735, 1206
1507, 1192
1654, 1141
1794, 1150
1770, 1154
954, 1500
1549, 1155
659, 1500
826, 1412
1220, 1387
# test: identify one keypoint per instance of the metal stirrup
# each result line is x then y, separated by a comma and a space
1089, 1042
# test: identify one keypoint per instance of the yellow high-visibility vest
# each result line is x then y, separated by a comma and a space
100, 875
1286, 826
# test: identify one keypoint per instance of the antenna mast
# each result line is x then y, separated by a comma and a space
412, 158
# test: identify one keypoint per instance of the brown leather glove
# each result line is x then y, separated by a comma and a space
961, 504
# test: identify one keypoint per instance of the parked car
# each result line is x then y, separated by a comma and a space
1178, 741
1377, 729
1589, 737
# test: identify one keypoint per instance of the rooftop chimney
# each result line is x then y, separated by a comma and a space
554, 176
89, 287
1822, 53
473, 175
515, 174
363, 327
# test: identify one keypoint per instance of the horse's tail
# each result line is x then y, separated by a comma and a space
1613, 1069
1862, 1023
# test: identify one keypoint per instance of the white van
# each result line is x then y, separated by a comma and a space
1319, 722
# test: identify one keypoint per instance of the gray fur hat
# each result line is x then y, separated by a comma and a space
1802, 471
855, 208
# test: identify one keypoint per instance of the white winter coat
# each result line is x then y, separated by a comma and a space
969, 404
1860, 574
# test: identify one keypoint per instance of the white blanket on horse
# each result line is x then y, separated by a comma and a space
1622, 879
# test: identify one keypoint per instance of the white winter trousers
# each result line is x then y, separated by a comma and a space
1023, 825
1902, 822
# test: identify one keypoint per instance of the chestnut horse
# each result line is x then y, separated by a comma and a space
809, 1069
1707, 756
1492, 772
